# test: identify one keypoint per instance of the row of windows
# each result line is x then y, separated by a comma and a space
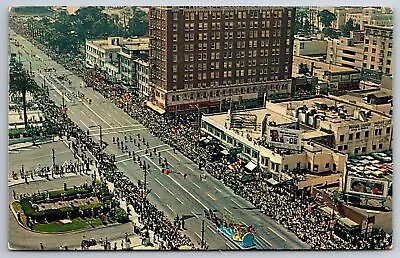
217, 93
230, 15
229, 55
359, 150
230, 35
229, 74
358, 135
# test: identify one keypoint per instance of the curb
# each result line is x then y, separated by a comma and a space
27, 146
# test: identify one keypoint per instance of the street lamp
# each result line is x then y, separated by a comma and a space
101, 134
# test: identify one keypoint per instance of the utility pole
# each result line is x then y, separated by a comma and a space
202, 235
101, 137
145, 181
54, 158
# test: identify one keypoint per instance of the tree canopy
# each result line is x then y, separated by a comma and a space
67, 32
349, 26
326, 18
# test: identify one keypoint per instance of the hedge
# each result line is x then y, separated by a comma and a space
59, 193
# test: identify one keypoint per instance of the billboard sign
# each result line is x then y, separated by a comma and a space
284, 138
366, 186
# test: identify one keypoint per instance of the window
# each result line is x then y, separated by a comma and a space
350, 137
345, 147
358, 135
364, 149
380, 146
340, 148
356, 150
374, 147
387, 130
327, 165
366, 135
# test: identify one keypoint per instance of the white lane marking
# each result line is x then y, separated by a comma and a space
158, 181
230, 246
284, 239
84, 124
169, 191
59, 92
173, 155
190, 168
194, 214
179, 200
125, 131
120, 161
219, 190
211, 197
96, 114
197, 185
236, 203
227, 210
119, 127
126, 119
211, 229
266, 241
157, 195
197, 234
169, 207
184, 189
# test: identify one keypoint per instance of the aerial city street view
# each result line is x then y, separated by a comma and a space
200, 128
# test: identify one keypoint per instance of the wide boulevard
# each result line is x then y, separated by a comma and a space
173, 194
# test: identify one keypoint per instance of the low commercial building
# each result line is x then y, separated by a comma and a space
123, 59
306, 46
339, 78
354, 129
276, 142
378, 52
346, 52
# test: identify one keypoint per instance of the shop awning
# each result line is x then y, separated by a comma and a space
155, 107
272, 181
250, 166
348, 222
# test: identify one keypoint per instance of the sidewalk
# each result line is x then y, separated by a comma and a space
29, 143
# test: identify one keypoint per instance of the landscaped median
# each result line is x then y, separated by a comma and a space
77, 208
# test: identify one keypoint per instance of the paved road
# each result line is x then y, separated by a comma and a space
41, 157
172, 194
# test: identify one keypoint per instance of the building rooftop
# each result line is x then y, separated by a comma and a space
222, 119
321, 65
348, 109
359, 99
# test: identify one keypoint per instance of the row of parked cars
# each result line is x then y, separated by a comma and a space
376, 165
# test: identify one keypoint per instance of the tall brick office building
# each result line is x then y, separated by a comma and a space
202, 57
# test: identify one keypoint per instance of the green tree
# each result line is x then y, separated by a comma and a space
331, 33
349, 26
22, 83
326, 18
138, 24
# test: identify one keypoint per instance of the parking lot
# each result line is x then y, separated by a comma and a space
377, 166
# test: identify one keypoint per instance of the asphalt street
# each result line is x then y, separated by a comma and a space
173, 194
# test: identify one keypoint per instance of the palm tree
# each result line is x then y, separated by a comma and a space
22, 83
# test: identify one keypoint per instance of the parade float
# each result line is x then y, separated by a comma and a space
241, 235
